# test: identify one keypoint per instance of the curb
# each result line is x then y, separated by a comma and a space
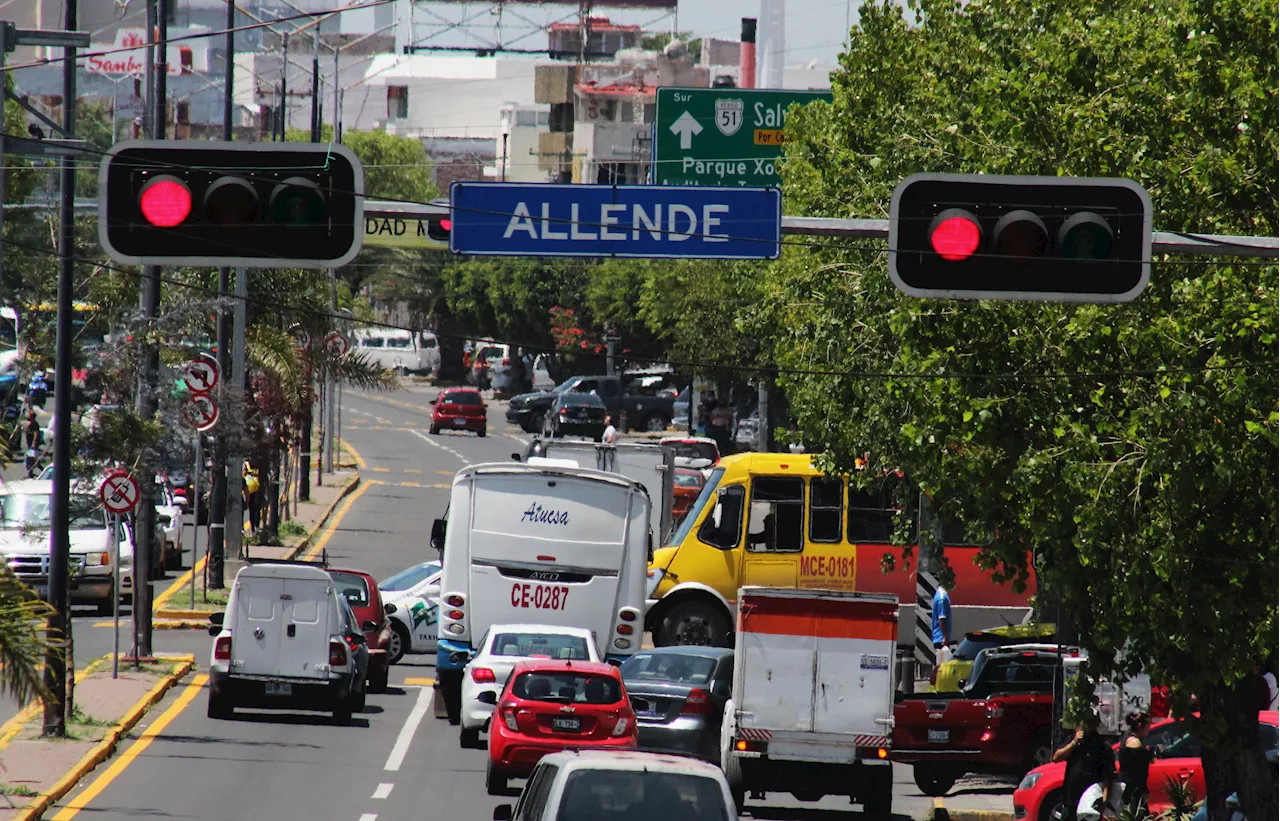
107, 746
14, 725
352, 483
182, 614
941, 813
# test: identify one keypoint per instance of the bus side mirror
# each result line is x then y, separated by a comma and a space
437, 534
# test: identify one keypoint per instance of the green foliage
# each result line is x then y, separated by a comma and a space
23, 640
660, 40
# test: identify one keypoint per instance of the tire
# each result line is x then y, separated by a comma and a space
655, 423
808, 795
219, 707
106, 607
694, 622
536, 421
878, 802
481, 433
1051, 808
378, 681
400, 642
933, 781
358, 699
739, 794
433, 430
451, 688
1040, 751
342, 714
469, 739
172, 557
495, 783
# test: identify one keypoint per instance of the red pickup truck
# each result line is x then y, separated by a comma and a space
1000, 722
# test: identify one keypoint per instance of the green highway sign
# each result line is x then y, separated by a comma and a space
722, 136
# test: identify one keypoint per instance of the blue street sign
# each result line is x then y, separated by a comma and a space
536, 220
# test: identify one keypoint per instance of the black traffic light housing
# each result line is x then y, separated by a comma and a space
1056, 239
194, 202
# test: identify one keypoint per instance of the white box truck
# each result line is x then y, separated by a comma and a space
539, 544
812, 705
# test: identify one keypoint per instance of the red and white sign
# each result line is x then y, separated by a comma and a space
201, 375
201, 412
182, 58
119, 493
539, 596
337, 345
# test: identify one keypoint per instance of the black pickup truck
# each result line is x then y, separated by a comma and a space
646, 399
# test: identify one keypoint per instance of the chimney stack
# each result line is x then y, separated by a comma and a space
747, 55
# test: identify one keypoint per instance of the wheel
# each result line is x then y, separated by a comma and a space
482, 432
495, 783
1051, 809
655, 423
358, 700
470, 739
433, 430
219, 706
107, 606
172, 557
878, 801
451, 688
1040, 751
399, 643
808, 795
342, 714
933, 781
537, 421
694, 622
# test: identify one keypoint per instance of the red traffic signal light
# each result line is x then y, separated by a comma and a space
230, 204
1064, 239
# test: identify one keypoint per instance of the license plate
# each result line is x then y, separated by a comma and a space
571, 725
279, 688
459, 421
940, 736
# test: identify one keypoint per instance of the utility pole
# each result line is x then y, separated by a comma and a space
235, 465
284, 87
218, 492
315, 84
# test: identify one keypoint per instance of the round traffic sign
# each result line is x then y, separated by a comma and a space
301, 337
201, 375
337, 344
119, 493
201, 412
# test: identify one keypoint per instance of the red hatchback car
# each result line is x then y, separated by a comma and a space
361, 592
1039, 796
459, 409
548, 706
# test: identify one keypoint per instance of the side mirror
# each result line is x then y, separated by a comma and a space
369, 626
438, 529
217, 618
388, 608
487, 697
502, 812
215, 630
433, 401
459, 657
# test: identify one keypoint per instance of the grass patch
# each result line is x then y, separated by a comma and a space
291, 529
18, 789
78, 717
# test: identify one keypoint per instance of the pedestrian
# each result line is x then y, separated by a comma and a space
610, 435
1269, 675
1264, 683
252, 484
1089, 761
941, 620
793, 434
1135, 764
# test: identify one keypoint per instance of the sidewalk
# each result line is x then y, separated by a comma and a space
36, 772
173, 605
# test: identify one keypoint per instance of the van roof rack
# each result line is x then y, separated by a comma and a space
322, 562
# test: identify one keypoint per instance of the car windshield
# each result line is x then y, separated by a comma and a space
352, 587
677, 668
540, 645
567, 688
565, 385
687, 480
584, 399
975, 643
31, 510
694, 450
695, 510
462, 398
596, 794
410, 577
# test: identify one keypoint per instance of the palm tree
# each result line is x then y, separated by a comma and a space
23, 640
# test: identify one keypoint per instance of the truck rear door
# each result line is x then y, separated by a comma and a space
775, 666
258, 625
854, 686
304, 647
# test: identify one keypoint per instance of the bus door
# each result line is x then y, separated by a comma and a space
775, 531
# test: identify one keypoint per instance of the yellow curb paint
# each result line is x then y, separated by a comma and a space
182, 614
14, 725
419, 682
126, 758
182, 583
336, 520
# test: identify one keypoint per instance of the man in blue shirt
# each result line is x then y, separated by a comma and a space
941, 617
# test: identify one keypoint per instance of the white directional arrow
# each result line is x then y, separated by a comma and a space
687, 127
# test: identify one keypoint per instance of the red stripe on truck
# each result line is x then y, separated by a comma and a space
827, 618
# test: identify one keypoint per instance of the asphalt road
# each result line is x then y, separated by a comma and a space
396, 761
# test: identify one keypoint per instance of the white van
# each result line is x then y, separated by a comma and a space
399, 350
539, 544
283, 644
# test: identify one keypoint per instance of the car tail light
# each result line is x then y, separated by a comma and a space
742, 745
482, 675
623, 725
455, 600
508, 713
564, 418
352, 644
994, 710
626, 629
697, 703
627, 614
506, 362
456, 615
222, 649
337, 653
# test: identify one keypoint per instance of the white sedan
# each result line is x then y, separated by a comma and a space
411, 599
500, 650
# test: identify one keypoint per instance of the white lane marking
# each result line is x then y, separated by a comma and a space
401, 747
424, 437
369, 816
384, 789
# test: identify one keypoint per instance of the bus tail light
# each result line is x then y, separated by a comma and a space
455, 600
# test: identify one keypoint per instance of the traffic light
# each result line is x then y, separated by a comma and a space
438, 228
1056, 239
264, 205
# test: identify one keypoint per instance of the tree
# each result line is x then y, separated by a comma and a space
23, 641
1131, 449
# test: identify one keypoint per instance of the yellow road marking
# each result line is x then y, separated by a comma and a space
445, 472
126, 758
380, 470
315, 549
355, 454
446, 487
412, 470
378, 427
179, 585
410, 484
419, 682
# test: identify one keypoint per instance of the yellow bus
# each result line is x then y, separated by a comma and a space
774, 519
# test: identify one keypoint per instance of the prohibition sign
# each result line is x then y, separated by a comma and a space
119, 493
301, 338
201, 412
337, 345
201, 375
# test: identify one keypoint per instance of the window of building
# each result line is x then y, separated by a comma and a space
397, 102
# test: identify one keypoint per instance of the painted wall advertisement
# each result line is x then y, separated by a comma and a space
127, 55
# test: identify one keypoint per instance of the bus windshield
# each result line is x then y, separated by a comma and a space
708, 492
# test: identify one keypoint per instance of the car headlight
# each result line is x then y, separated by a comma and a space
651, 584
1030, 780
97, 559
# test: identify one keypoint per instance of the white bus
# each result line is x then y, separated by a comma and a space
399, 350
539, 544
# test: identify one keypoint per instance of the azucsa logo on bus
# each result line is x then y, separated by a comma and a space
541, 515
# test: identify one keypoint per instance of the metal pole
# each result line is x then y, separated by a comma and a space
235, 499
284, 87
215, 543
162, 71
115, 607
228, 100
149, 66
337, 426
337, 97
195, 525
59, 623
315, 84
328, 422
